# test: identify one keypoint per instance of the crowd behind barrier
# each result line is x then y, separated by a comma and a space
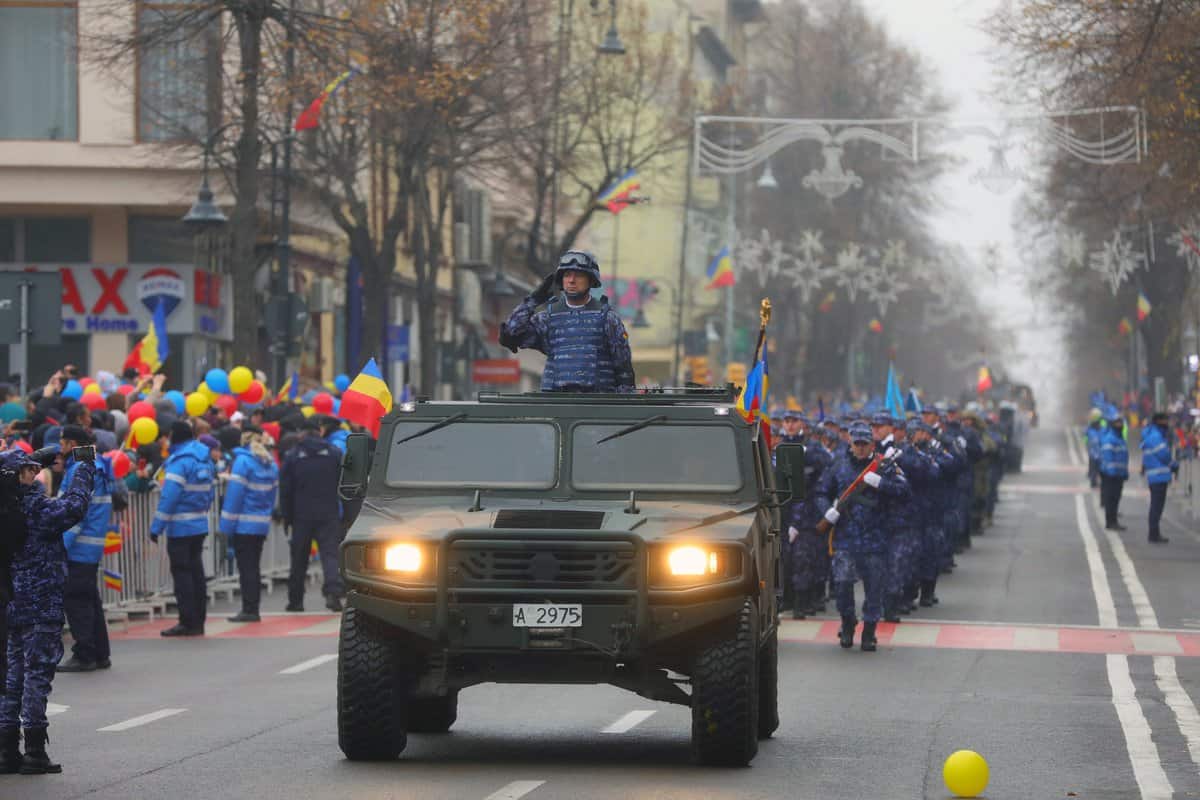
145, 572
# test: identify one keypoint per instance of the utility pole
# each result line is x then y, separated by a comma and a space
281, 277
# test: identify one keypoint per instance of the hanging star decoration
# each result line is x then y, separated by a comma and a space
806, 271
1187, 243
1073, 247
884, 284
1115, 261
852, 270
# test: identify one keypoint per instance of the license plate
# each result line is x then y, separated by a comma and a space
544, 615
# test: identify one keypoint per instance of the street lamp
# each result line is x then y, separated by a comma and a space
612, 44
204, 214
767, 179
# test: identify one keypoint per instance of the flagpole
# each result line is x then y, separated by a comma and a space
730, 237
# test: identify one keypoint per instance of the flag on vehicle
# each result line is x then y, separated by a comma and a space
617, 195
112, 543
753, 398
984, 382
311, 117
367, 399
113, 580
720, 271
152, 350
1143, 307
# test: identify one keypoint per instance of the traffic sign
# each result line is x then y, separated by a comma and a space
496, 370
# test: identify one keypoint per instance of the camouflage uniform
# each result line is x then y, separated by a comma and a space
810, 554
908, 520
35, 614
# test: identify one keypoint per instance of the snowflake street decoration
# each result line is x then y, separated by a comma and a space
1187, 243
946, 308
763, 256
883, 284
852, 270
1073, 247
895, 255
1115, 261
926, 271
807, 273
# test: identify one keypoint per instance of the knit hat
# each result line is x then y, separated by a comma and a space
180, 432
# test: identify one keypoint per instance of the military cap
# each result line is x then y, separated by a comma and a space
790, 413
882, 418
860, 432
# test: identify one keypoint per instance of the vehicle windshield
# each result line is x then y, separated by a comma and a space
499, 455
696, 458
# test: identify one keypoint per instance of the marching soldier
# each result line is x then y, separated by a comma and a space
809, 551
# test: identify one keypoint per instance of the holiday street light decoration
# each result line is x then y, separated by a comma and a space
807, 273
1115, 261
998, 177
883, 284
763, 256
853, 272
832, 181
1073, 247
1187, 243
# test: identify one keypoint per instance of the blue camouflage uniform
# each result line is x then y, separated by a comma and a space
910, 520
940, 500
859, 541
586, 347
971, 449
35, 614
810, 554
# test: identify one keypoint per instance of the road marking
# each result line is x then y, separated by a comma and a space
1156, 643
628, 721
330, 627
1180, 702
916, 635
514, 790
1035, 639
144, 719
55, 708
1072, 443
304, 666
801, 630
1091, 548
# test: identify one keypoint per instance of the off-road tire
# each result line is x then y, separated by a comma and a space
372, 690
768, 686
432, 714
725, 696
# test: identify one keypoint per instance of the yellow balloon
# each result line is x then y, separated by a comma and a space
92, 388
965, 773
207, 392
240, 379
145, 430
196, 404
308, 411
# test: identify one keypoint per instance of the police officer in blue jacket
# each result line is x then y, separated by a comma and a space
1094, 431
85, 548
584, 340
1159, 467
182, 514
1114, 469
246, 514
859, 539
35, 614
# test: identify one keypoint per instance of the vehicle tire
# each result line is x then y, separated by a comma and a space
432, 714
768, 686
372, 693
725, 696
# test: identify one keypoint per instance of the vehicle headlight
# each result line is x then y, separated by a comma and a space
402, 557
692, 560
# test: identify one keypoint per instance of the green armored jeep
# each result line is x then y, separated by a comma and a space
557, 538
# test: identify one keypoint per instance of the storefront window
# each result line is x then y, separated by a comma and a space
8, 241
160, 240
178, 73
61, 240
39, 91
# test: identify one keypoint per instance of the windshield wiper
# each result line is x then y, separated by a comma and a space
435, 426
637, 426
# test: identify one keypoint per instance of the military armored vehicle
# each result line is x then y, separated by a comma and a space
631, 540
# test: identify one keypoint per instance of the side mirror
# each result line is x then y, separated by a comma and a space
356, 467
789, 468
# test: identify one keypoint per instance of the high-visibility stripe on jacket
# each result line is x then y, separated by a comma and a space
249, 494
1114, 455
1156, 455
187, 492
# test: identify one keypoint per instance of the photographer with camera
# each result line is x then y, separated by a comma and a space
35, 613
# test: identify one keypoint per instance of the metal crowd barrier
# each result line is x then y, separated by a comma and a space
141, 568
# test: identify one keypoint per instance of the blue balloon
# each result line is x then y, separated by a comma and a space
342, 382
176, 397
217, 380
73, 390
337, 407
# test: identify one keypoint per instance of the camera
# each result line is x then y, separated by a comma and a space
85, 452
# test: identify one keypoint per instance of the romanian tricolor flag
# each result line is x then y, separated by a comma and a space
616, 196
149, 354
720, 271
366, 399
984, 382
827, 303
290, 389
875, 326
1124, 327
311, 117
753, 399
1143, 307
113, 580
112, 543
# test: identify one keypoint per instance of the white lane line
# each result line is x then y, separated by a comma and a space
55, 708
1035, 639
304, 666
1091, 548
514, 790
1137, 593
628, 721
1071, 451
144, 719
1143, 753
1180, 702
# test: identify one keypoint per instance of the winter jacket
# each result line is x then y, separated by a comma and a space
85, 541
923, 477
308, 481
187, 492
338, 439
39, 569
249, 494
1094, 433
862, 526
1156, 455
806, 511
1114, 455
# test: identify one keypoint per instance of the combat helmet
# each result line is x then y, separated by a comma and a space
580, 261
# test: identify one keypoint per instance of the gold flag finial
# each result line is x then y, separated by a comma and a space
764, 312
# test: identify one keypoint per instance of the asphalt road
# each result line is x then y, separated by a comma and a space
1070, 659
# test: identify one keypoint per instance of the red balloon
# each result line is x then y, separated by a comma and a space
120, 462
140, 409
323, 403
86, 382
94, 401
254, 394
227, 403
23, 445
126, 389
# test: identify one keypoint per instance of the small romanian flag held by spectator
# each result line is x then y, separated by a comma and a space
984, 381
367, 399
720, 271
1123, 327
616, 196
149, 354
112, 543
290, 389
311, 117
1143, 307
113, 580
